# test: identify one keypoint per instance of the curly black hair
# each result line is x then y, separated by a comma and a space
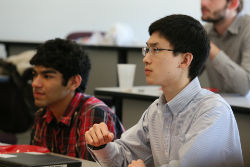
65, 56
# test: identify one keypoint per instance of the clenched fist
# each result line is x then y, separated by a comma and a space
98, 135
137, 163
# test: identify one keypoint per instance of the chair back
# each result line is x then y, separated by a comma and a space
77, 35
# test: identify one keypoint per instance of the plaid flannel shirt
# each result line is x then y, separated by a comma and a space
68, 135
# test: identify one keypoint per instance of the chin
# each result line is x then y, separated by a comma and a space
39, 104
150, 82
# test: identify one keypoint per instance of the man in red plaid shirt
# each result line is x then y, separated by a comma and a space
61, 69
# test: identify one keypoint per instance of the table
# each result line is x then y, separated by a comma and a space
149, 93
121, 50
3, 144
238, 103
84, 162
102, 57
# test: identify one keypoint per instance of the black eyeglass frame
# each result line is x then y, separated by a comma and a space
146, 50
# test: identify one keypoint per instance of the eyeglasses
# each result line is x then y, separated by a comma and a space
153, 51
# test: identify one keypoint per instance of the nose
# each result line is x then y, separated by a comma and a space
147, 58
37, 82
204, 3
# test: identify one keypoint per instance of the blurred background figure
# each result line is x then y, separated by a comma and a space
228, 66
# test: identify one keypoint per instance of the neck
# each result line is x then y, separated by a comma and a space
59, 108
171, 90
223, 25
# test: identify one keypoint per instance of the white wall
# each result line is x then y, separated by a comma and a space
246, 7
39, 20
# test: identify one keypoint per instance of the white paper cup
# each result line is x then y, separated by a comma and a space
126, 73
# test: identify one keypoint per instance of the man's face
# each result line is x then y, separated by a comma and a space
213, 10
47, 86
162, 68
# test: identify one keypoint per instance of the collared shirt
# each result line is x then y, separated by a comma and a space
68, 135
229, 71
195, 128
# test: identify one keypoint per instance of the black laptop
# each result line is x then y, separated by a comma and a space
37, 159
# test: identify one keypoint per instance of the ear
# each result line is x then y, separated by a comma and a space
233, 4
74, 82
186, 60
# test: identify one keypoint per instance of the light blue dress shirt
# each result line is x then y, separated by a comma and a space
195, 128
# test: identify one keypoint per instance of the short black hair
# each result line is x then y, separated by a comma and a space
65, 56
185, 34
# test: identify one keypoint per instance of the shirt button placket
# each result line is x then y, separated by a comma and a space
167, 133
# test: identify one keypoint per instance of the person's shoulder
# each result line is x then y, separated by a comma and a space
244, 21
212, 106
245, 17
211, 100
92, 102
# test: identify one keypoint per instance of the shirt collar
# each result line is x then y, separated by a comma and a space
235, 26
182, 99
67, 117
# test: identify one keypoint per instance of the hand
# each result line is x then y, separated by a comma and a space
214, 50
138, 163
98, 135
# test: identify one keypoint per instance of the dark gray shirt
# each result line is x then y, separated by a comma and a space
229, 71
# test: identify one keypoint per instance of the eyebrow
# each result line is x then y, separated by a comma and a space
152, 44
46, 72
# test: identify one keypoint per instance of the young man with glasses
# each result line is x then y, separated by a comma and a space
228, 66
187, 125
